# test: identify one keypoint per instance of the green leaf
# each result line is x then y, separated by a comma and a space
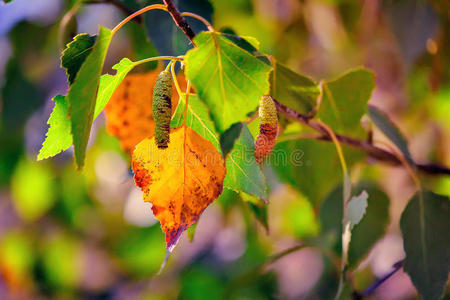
425, 223
243, 172
229, 137
344, 100
311, 167
83, 93
197, 118
296, 91
76, 53
109, 83
364, 235
356, 209
249, 44
390, 130
227, 78
58, 137
258, 207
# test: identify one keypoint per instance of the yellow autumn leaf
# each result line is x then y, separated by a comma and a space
180, 181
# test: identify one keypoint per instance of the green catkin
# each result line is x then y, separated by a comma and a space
162, 108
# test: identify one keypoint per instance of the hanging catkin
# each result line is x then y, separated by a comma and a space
268, 128
162, 107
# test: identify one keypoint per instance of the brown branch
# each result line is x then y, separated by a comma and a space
179, 20
373, 151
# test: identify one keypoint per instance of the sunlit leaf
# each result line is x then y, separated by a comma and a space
180, 181
197, 118
344, 100
109, 83
83, 93
226, 77
296, 91
76, 53
58, 137
243, 172
424, 224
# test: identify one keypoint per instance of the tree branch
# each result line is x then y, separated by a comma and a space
397, 266
180, 20
373, 151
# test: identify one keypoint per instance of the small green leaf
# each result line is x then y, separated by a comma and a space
390, 130
83, 93
227, 78
243, 172
197, 118
344, 100
296, 91
76, 53
425, 223
58, 137
109, 83
356, 209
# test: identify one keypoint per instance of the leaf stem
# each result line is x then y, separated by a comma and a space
188, 89
200, 18
175, 80
338, 146
137, 13
158, 58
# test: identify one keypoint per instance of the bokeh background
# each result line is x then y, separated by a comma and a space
88, 235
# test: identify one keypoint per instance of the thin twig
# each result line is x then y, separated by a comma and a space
373, 151
367, 292
180, 20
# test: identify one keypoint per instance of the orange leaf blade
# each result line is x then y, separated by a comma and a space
180, 181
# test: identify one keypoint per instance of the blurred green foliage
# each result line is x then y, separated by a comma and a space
66, 234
